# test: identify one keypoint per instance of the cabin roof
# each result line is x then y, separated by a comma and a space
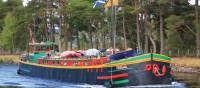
47, 43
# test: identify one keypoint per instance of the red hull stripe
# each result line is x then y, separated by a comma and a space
113, 76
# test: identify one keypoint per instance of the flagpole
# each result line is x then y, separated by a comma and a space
113, 30
113, 26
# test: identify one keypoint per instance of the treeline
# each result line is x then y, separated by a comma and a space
150, 25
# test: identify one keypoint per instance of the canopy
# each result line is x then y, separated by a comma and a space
91, 52
47, 43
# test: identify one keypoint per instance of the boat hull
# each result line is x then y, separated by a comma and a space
62, 74
139, 76
145, 71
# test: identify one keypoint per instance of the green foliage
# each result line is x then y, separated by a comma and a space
178, 35
173, 25
174, 22
14, 24
7, 35
81, 18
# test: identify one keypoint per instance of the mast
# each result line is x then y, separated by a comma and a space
113, 25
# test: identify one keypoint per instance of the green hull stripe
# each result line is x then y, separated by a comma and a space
141, 57
158, 56
121, 82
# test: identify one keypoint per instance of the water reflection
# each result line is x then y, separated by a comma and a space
10, 87
192, 80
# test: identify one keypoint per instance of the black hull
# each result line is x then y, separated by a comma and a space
65, 75
136, 74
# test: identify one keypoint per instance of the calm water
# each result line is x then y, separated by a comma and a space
9, 79
190, 80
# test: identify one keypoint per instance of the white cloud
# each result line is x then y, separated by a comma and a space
192, 2
25, 2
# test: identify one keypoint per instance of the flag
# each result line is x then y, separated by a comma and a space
99, 3
115, 2
111, 2
108, 4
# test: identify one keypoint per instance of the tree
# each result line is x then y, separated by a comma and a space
7, 35
197, 25
136, 6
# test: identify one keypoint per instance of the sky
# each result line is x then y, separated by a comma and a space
192, 2
25, 2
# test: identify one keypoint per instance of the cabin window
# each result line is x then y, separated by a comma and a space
65, 62
45, 62
74, 64
53, 62
57, 61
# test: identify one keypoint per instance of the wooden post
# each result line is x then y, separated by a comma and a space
178, 52
188, 52
170, 53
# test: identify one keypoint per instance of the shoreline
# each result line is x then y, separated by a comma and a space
186, 64
9, 59
185, 69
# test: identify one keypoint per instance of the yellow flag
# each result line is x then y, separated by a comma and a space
111, 2
115, 2
108, 4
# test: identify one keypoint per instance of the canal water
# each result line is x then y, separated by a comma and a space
191, 80
9, 79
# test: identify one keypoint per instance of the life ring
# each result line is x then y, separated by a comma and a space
148, 67
156, 69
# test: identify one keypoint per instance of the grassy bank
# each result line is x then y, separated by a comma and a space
186, 64
187, 61
9, 59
